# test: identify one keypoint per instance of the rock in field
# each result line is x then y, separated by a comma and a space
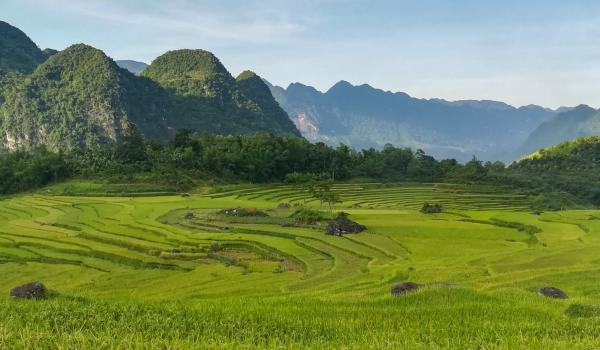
405, 288
342, 225
284, 206
552, 292
33, 290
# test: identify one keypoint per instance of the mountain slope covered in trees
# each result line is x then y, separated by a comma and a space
79, 98
17, 51
362, 116
567, 172
581, 121
209, 100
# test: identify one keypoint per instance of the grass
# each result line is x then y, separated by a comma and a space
137, 272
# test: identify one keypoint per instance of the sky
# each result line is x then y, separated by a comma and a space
544, 52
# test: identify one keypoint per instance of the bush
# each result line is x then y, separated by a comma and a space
435, 208
308, 216
553, 201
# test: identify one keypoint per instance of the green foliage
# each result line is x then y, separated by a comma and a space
553, 201
563, 176
17, 52
77, 99
22, 171
435, 208
308, 216
206, 98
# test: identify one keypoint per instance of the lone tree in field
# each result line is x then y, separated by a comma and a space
322, 190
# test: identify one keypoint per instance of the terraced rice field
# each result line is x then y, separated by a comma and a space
168, 272
405, 196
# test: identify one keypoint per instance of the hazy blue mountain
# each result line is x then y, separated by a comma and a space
134, 67
363, 116
580, 121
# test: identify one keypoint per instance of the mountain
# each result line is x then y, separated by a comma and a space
18, 53
134, 67
78, 98
580, 121
208, 99
363, 117
253, 87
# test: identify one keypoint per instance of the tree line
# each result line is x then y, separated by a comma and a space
190, 159
259, 158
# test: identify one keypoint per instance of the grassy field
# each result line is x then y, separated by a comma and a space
170, 272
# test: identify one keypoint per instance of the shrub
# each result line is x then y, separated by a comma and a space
308, 216
435, 208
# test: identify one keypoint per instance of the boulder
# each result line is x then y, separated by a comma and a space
33, 290
284, 206
342, 225
552, 292
405, 288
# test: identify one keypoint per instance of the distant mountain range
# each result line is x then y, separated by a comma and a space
363, 117
134, 67
80, 97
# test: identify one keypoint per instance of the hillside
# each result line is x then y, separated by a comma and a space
253, 87
363, 117
571, 169
79, 98
580, 121
208, 99
578, 156
17, 52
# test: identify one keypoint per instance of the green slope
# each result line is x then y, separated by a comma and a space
581, 121
79, 98
17, 52
208, 99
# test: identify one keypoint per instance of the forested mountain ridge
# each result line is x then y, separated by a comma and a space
363, 116
80, 97
569, 171
578, 122
18, 53
207, 98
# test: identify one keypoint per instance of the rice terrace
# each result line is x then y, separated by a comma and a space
174, 271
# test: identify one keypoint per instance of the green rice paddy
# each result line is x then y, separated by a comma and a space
169, 272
